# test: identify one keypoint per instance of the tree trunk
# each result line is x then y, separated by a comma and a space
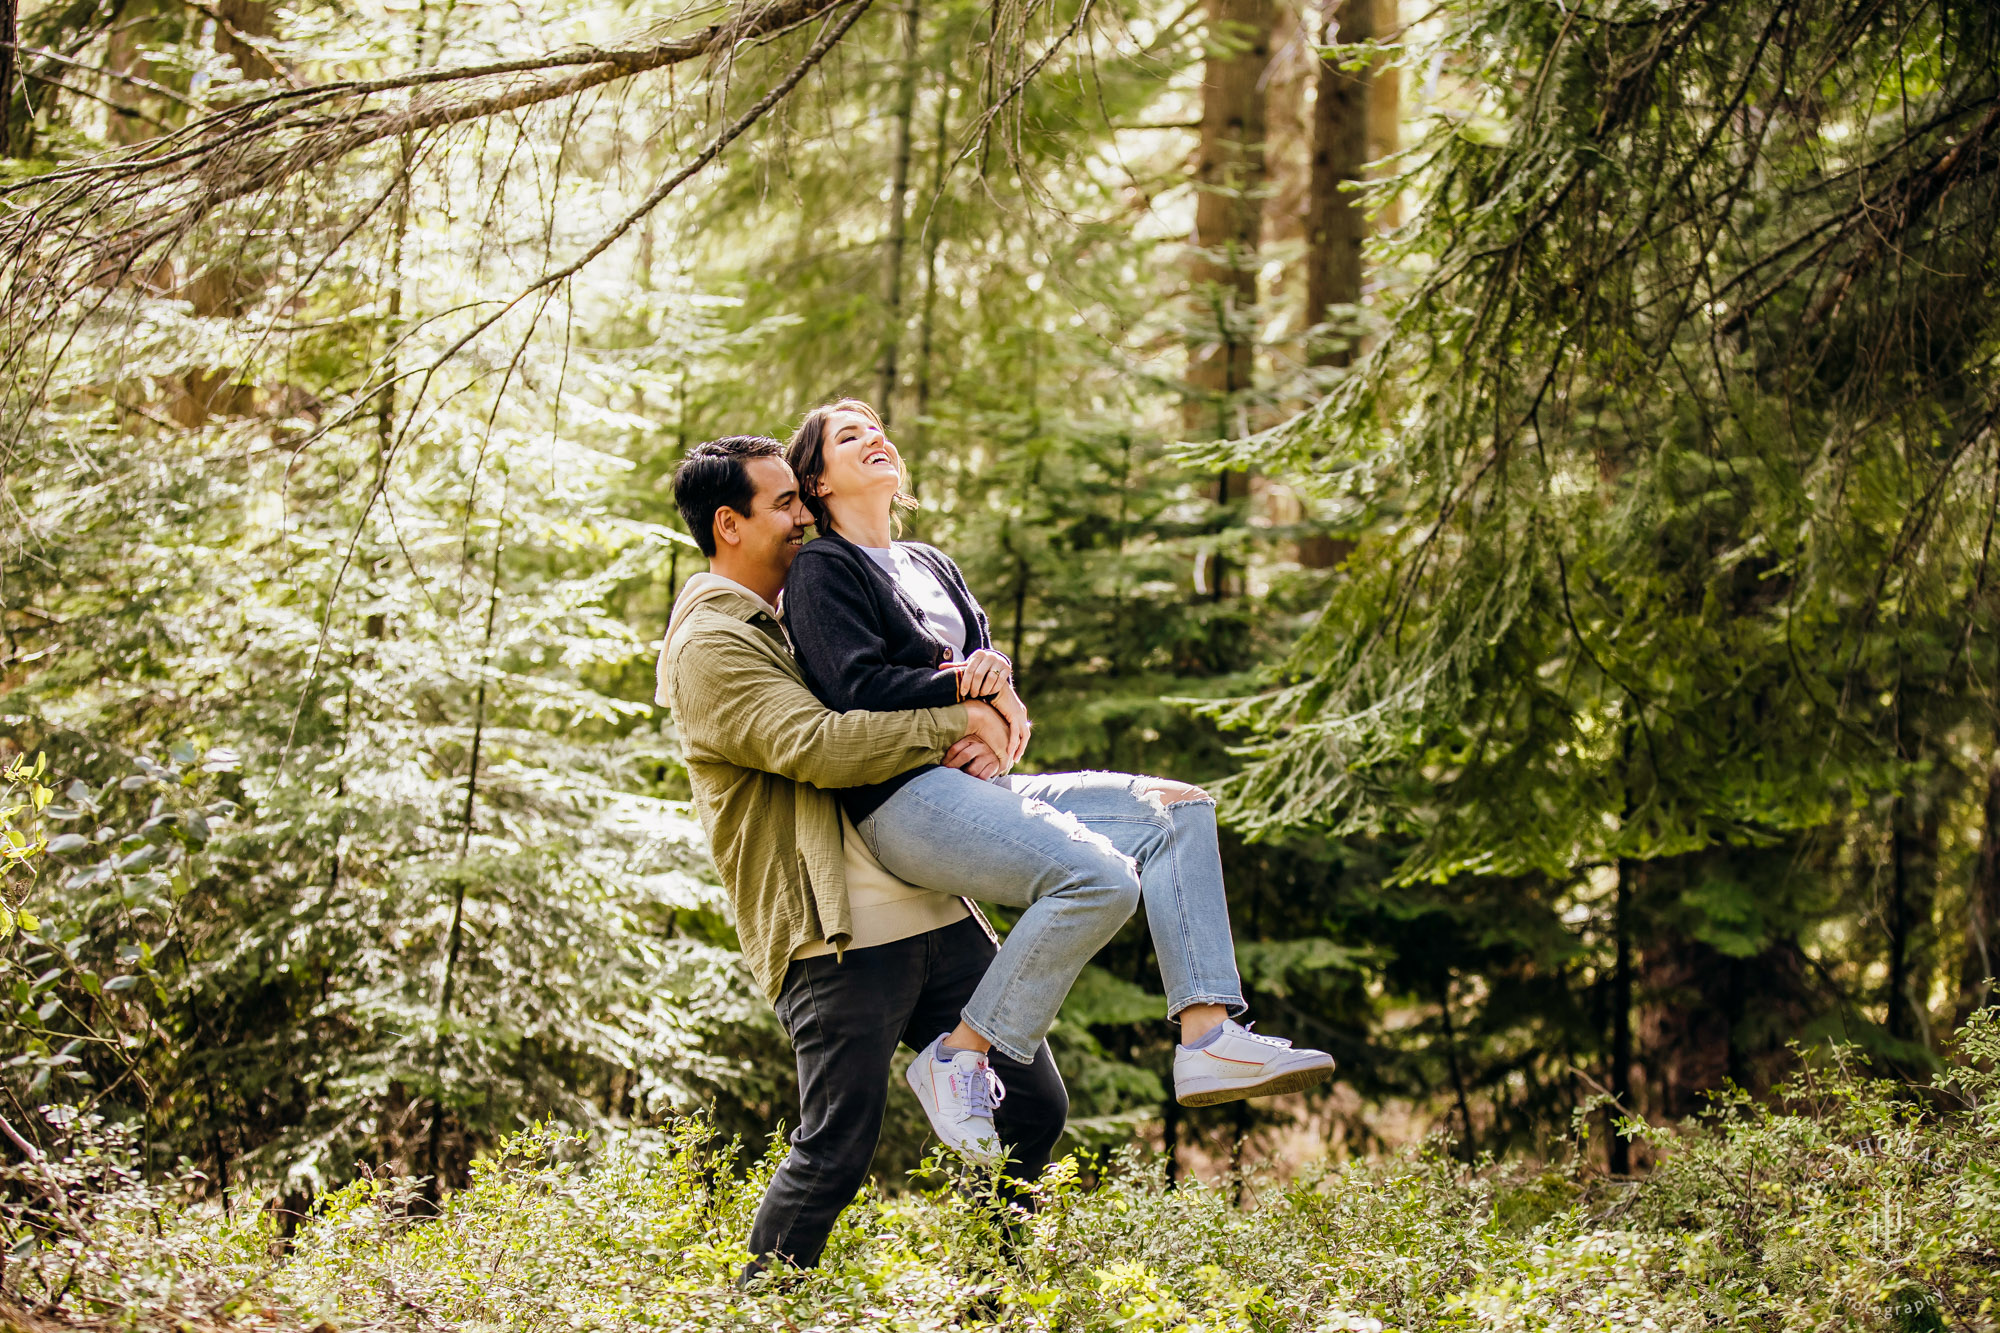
125, 50
673, 580
10, 33
455, 936
241, 20
1618, 1158
932, 239
1913, 853
1227, 233
1023, 569
899, 188
1021, 574
1470, 1147
1228, 217
385, 402
1385, 108
1336, 225
1896, 920
1982, 909
1704, 1016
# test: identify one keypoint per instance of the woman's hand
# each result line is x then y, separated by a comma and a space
984, 674
989, 676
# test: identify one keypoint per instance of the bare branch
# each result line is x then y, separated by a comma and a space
131, 80
826, 41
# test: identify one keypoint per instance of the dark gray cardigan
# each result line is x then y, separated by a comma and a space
863, 644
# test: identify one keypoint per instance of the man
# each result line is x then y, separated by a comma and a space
854, 960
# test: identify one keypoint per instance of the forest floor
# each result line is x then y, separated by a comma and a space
1840, 1202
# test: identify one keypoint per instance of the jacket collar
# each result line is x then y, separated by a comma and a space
712, 592
827, 534
708, 586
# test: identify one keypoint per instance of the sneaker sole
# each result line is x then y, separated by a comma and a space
1297, 1080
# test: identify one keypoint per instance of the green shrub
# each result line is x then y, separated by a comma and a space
1846, 1202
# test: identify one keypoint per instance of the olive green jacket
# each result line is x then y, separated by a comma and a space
765, 758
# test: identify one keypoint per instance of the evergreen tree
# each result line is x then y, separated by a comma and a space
1673, 475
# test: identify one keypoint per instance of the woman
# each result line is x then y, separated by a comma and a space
887, 625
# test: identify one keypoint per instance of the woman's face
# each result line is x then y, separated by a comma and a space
859, 462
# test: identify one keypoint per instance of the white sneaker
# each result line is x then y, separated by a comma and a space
959, 1095
1240, 1063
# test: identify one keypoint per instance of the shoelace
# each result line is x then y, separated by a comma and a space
1258, 1036
981, 1091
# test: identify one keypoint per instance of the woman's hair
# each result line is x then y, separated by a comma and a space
807, 455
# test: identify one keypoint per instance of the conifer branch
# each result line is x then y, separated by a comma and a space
825, 43
93, 221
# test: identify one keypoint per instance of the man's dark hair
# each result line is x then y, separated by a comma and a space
717, 474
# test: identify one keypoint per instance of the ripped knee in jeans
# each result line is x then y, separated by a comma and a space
1165, 793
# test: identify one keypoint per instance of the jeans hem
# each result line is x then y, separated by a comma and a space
998, 1045
1234, 1003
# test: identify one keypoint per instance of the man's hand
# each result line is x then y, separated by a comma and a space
988, 676
972, 755
983, 723
1018, 726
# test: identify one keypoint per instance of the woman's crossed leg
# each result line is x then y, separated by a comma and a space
1078, 852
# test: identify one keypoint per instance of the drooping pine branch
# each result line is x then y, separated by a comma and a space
829, 38
91, 224
1683, 429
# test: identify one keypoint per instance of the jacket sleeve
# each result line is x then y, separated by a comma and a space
734, 704
839, 639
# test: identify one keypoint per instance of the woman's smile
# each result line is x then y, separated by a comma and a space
851, 472
861, 459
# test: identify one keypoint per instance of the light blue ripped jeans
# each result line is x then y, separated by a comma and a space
1079, 851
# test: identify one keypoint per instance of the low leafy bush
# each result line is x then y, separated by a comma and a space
1846, 1202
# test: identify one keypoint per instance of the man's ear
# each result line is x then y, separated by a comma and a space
728, 527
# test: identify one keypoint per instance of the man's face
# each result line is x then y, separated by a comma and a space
770, 534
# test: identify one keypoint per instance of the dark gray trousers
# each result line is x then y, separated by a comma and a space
846, 1017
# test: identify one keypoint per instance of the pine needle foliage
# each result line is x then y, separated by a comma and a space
1673, 471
